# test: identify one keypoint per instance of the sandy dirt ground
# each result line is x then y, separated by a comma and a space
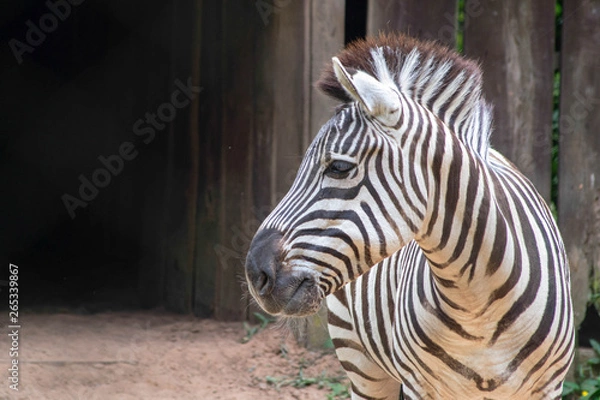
155, 355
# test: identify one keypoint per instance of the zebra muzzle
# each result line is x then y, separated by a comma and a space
279, 288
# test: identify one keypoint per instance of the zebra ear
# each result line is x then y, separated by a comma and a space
379, 100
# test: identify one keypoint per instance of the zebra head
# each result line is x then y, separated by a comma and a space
348, 207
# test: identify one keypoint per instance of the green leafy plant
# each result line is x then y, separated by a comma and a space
338, 389
252, 330
587, 386
595, 293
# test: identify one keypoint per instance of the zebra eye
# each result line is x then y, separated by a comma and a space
339, 169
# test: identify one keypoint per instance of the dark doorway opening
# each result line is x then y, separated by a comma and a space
355, 20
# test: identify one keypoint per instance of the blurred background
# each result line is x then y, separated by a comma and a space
141, 143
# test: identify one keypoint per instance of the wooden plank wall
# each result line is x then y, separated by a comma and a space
182, 168
235, 206
579, 146
209, 127
514, 40
258, 112
169, 211
431, 20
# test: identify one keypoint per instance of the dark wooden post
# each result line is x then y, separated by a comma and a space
514, 40
262, 119
433, 20
237, 119
183, 161
208, 19
292, 84
294, 41
579, 146
326, 39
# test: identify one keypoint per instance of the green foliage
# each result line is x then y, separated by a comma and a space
595, 292
252, 330
328, 345
587, 386
338, 390
336, 385
461, 26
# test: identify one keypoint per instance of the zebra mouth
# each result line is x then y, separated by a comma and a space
306, 300
293, 294
280, 288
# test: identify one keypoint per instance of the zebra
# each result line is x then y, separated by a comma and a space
443, 270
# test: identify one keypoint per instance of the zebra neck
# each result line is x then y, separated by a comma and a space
464, 235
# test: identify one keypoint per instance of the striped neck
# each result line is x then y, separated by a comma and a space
463, 235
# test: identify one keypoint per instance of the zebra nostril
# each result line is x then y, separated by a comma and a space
263, 262
264, 284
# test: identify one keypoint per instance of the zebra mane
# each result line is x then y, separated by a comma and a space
438, 78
